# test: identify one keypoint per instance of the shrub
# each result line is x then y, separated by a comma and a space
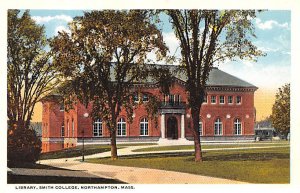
23, 146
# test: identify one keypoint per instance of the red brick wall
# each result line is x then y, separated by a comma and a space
53, 117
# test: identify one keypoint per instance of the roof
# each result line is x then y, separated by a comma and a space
218, 77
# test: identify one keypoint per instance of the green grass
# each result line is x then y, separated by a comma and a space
88, 150
75, 152
252, 165
191, 147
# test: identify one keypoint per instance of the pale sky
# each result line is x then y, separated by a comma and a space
273, 31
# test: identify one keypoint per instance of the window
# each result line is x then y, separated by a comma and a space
213, 99
121, 127
238, 100
237, 127
218, 127
145, 98
165, 99
144, 127
171, 99
178, 99
73, 128
62, 130
62, 106
68, 125
230, 100
97, 128
200, 128
136, 98
222, 99
205, 99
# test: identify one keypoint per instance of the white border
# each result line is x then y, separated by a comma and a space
292, 5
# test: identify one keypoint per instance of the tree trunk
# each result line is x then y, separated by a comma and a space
114, 153
195, 118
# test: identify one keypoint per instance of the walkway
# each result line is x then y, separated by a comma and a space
134, 175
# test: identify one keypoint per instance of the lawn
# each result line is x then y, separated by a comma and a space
75, 152
252, 165
88, 150
211, 146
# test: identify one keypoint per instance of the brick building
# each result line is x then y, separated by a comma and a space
228, 113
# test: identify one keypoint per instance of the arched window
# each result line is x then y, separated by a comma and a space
121, 127
62, 130
144, 127
200, 127
97, 128
218, 127
237, 127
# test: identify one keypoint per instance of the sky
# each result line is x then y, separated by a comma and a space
273, 37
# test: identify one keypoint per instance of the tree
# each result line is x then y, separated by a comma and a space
30, 75
281, 110
103, 56
208, 37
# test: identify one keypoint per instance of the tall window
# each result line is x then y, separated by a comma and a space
62, 130
97, 128
144, 127
222, 99
73, 128
205, 99
62, 106
237, 127
136, 98
230, 100
145, 98
213, 99
177, 99
171, 99
165, 99
121, 127
200, 128
238, 99
218, 127
68, 125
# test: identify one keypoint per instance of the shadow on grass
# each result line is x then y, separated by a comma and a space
222, 157
37, 166
247, 157
72, 152
23, 179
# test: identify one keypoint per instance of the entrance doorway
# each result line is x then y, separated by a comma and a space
172, 128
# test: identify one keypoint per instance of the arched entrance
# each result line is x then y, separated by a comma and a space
172, 128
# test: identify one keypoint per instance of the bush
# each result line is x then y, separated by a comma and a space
23, 146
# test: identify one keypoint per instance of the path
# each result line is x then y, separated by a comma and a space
133, 175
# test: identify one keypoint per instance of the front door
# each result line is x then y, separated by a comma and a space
172, 129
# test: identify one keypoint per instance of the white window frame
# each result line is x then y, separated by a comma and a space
200, 128
238, 128
68, 125
238, 102
97, 128
223, 102
205, 99
211, 99
230, 101
136, 98
145, 96
144, 127
121, 127
73, 128
218, 127
62, 130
